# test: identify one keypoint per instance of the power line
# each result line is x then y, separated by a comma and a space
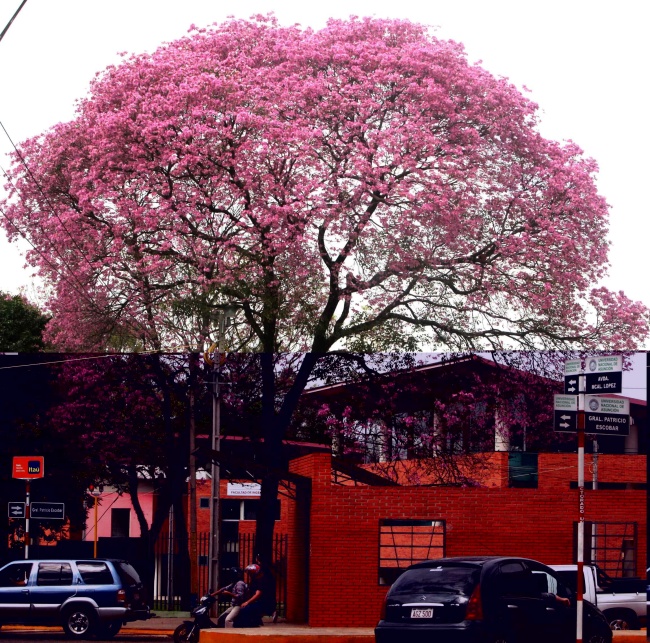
4, 31
45, 197
91, 357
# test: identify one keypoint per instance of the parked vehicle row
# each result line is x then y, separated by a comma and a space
85, 597
485, 599
621, 600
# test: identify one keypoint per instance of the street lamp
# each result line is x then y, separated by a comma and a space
225, 315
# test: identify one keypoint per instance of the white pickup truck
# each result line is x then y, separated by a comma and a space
621, 600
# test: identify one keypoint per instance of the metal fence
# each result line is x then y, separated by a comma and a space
168, 574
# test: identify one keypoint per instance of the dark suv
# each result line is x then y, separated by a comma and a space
487, 600
85, 597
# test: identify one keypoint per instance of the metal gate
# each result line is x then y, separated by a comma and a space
166, 597
612, 546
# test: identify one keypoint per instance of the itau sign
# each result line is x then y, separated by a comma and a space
28, 467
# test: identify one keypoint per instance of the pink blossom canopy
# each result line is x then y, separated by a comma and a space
334, 183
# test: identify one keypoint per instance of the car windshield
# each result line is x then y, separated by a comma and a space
457, 579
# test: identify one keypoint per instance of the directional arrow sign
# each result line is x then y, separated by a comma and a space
16, 509
571, 384
49, 510
565, 413
565, 421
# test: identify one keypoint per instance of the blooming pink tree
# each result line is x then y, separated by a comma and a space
332, 181
360, 186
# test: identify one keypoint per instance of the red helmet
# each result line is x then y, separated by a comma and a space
253, 569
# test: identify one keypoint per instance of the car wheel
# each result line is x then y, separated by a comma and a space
109, 630
78, 622
621, 621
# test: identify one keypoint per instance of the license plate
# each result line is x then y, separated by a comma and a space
422, 613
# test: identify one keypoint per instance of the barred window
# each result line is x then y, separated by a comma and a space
403, 542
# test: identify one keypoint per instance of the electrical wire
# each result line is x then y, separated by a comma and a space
4, 31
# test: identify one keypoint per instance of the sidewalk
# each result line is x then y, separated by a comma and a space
163, 623
288, 633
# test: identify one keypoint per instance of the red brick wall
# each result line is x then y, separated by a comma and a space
536, 523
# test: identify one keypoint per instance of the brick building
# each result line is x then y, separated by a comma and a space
341, 558
346, 531
346, 537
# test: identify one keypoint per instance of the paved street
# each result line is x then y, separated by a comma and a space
280, 632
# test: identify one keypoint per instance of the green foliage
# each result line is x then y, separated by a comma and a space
21, 325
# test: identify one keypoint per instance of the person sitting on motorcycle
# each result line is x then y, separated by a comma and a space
237, 589
261, 599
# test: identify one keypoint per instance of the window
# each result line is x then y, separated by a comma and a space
514, 580
95, 573
15, 575
53, 573
404, 542
610, 545
522, 470
120, 519
231, 509
243, 509
204, 503
544, 582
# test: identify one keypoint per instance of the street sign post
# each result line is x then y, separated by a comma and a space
28, 467
580, 413
604, 382
600, 404
48, 510
599, 424
607, 415
571, 385
16, 509
572, 371
604, 364
565, 412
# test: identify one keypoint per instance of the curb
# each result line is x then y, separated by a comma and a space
629, 636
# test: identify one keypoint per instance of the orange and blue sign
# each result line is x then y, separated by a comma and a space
28, 467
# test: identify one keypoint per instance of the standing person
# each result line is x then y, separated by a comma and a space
261, 599
237, 589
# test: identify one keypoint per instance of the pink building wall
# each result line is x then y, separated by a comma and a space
109, 500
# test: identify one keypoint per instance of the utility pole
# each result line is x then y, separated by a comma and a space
225, 315
581, 510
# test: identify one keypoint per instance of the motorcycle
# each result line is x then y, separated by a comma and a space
188, 631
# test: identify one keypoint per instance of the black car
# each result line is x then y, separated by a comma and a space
485, 600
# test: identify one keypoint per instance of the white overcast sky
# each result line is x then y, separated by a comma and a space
586, 64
